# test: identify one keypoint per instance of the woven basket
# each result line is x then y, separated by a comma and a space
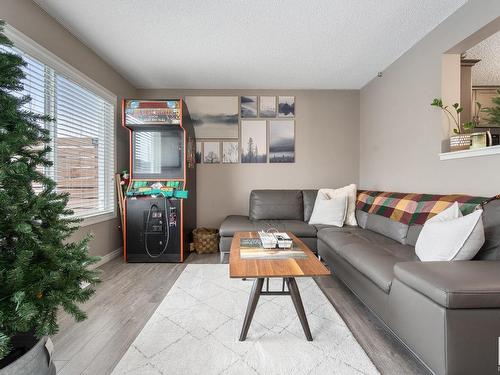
459, 142
206, 240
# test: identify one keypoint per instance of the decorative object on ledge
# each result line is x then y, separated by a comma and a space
459, 142
461, 139
480, 140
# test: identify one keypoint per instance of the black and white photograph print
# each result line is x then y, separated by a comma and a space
230, 152
267, 106
214, 116
248, 106
253, 141
282, 141
211, 152
197, 154
286, 106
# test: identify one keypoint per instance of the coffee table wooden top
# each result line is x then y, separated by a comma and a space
243, 268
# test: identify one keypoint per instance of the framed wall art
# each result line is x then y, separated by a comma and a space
214, 116
230, 152
211, 152
286, 106
282, 141
248, 106
267, 106
198, 153
253, 141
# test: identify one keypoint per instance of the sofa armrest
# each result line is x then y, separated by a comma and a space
454, 285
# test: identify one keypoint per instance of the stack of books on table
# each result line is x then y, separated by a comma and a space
251, 248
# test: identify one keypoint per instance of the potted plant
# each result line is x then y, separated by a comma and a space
40, 269
461, 139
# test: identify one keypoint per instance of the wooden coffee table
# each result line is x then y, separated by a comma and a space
262, 269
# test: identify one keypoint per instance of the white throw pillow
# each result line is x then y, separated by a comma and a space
329, 211
451, 236
451, 213
349, 191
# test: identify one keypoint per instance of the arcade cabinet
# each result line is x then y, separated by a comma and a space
160, 201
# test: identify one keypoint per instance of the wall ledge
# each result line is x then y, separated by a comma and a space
486, 151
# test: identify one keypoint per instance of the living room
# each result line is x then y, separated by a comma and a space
250, 187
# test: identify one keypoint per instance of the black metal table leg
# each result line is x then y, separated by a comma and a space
252, 304
299, 307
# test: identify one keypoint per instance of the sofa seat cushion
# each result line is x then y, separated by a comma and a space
454, 285
371, 254
325, 233
239, 223
345, 228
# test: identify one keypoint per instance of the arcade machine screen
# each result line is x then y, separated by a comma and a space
158, 154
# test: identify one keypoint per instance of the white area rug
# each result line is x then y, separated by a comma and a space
195, 331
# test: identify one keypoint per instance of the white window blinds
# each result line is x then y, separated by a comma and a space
82, 137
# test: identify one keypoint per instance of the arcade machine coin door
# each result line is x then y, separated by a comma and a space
159, 213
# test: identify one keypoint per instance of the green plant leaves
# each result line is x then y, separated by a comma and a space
469, 126
437, 102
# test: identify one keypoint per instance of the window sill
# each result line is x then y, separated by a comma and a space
96, 219
492, 150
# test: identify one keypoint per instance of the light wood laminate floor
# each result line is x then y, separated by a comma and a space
130, 292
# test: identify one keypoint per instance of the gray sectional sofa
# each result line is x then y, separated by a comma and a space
446, 313
285, 210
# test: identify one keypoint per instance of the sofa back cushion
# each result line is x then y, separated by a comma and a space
413, 233
387, 227
276, 205
361, 218
309, 197
413, 208
491, 223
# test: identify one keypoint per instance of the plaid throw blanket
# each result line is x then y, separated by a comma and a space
412, 208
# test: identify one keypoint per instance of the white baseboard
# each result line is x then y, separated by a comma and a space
106, 258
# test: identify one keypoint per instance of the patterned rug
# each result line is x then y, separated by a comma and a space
195, 331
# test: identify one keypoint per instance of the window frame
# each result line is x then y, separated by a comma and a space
40, 53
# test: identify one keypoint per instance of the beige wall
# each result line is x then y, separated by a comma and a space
386, 137
401, 134
28, 18
327, 134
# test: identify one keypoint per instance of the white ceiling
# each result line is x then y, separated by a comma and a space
487, 71
318, 44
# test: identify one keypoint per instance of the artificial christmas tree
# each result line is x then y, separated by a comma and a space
40, 271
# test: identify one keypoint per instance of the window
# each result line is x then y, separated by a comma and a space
82, 136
